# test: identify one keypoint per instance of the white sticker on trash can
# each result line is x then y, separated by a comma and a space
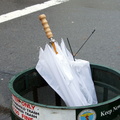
28, 111
25, 110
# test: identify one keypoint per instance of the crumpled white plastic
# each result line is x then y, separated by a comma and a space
70, 79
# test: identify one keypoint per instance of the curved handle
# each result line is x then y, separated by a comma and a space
46, 26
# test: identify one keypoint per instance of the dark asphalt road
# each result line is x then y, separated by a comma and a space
21, 38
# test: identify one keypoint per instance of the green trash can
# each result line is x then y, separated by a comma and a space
33, 98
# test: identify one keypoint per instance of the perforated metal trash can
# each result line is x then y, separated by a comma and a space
33, 99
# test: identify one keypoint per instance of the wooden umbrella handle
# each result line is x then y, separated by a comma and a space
46, 26
47, 30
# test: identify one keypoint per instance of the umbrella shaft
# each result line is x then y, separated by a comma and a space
52, 41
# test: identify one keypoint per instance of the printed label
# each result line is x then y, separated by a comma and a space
25, 110
87, 114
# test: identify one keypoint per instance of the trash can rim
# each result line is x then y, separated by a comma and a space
10, 85
117, 72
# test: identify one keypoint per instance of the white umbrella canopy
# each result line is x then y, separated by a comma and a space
70, 79
83, 71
